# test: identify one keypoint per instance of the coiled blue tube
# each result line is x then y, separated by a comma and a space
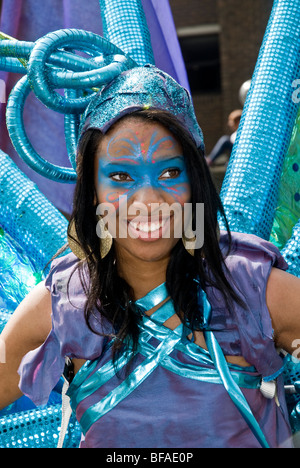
63, 59
14, 48
15, 126
72, 123
88, 79
45, 79
12, 65
250, 187
39, 79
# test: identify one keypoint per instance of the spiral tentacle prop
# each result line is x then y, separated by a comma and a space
43, 77
51, 64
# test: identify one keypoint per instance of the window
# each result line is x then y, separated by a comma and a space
201, 54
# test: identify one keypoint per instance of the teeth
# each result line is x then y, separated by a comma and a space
148, 227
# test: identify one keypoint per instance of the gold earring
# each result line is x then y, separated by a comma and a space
102, 232
105, 237
74, 242
189, 244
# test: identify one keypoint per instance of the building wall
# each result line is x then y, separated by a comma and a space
240, 28
194, 12
243, 25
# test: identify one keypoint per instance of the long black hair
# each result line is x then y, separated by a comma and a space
107, 293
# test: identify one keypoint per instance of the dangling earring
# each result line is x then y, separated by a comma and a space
102, 232
105, 237
74, 242
189, 244
188, 235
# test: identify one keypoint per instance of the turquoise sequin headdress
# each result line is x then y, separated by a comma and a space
142, 88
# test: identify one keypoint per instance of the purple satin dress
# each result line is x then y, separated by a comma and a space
168, 410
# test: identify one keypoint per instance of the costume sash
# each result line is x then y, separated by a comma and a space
213, 369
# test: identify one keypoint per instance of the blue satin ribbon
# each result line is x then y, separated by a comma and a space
214, 368
153, 298
230, 385
207, 373
136, 377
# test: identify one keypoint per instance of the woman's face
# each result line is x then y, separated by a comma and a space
142, 185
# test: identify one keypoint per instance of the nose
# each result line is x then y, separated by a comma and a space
146, 197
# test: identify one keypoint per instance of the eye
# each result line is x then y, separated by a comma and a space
120, 177
171, 173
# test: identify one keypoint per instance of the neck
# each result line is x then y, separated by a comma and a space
142, 276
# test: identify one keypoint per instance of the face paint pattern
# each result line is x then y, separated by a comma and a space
128, 167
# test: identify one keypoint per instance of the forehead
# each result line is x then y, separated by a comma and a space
135, 134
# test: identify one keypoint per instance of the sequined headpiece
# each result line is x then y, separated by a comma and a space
141, 88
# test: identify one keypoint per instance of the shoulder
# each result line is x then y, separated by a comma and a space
248, 250
251, 262
68, 286
65, 277
283, 299
61, 266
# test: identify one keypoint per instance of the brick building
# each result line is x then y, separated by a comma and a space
220, 41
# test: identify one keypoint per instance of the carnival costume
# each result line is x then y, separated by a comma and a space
174, 382
181, 375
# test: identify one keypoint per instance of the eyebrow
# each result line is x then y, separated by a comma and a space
163, 158
130, 161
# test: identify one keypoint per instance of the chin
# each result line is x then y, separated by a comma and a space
152, 256
150, 251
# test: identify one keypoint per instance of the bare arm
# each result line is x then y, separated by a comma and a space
283, 300
26, 330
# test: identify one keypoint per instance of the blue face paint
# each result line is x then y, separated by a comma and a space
131, 164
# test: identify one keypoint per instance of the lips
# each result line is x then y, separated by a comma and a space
148, 228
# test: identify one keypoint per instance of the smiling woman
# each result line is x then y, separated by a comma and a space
129, 171
142, 162
171, 346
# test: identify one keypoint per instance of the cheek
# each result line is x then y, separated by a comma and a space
108, 196
179, 193
107, 193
